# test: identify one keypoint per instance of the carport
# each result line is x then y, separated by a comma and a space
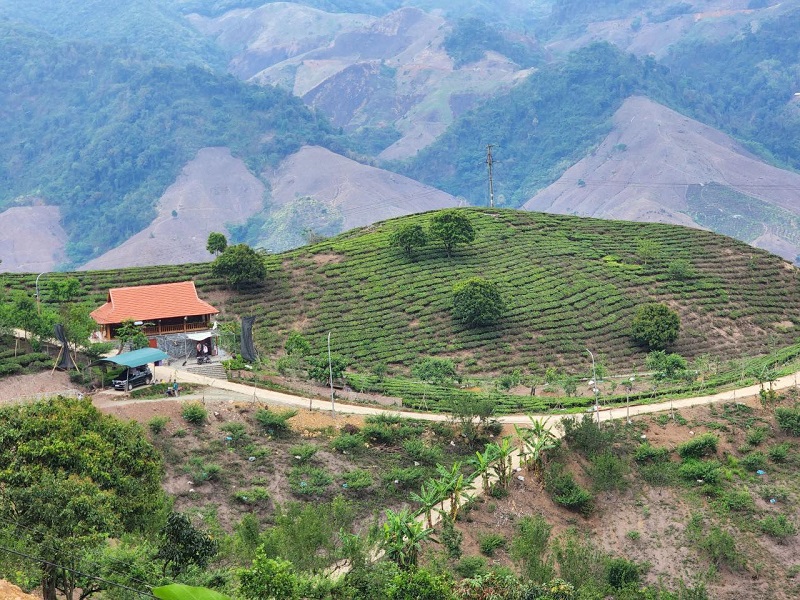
135, 358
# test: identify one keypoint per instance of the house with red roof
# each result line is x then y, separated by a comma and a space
162, 309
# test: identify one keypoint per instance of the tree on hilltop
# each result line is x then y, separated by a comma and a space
477, 302
451, 227
239, 265
217, 242
655, 326
407, 237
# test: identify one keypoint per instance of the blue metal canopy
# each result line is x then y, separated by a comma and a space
137, 358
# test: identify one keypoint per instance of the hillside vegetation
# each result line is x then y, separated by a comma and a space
742, 84
568, 283
102, 132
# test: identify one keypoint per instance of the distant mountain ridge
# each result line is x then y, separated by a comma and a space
652, 166
102, 110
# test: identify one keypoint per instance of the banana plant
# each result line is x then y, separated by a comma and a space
454, 485
482, 462
430, 494
502, 463
536, 441
403, 536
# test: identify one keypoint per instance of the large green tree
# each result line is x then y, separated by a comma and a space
655, 326
217, 242
451, 227
477, 302
407, 237
71, 477
239, 265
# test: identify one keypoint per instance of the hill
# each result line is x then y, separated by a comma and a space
101, 132
658, 165
570, 284
390, 80
313, 192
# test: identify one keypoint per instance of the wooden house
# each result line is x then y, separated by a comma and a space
162, 309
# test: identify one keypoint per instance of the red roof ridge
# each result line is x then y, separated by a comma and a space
149, 302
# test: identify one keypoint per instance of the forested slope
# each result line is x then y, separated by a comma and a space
102, 131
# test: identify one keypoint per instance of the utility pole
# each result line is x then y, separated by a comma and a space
330, 373
489, 166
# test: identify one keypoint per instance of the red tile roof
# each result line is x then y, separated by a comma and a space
151, 302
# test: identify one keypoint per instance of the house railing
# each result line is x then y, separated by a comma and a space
176, 328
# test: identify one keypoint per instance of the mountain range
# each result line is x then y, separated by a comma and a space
130, 134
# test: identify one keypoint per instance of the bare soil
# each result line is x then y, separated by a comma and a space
9, 591
658, 516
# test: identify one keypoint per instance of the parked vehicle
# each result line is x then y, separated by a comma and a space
131, 378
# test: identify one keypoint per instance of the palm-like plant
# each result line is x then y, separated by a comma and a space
503, 451
403, 536
454, 485
482, 462
430, 494
536, 441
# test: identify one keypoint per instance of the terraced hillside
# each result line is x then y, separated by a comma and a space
570, 284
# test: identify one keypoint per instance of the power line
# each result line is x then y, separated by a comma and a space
94, 577
489, 167
125, 564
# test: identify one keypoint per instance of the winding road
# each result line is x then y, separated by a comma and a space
607, 414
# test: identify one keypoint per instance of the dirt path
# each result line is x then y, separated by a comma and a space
278, 398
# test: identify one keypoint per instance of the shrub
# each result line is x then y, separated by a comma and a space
303, 452
439, 371
529, 547
720, 547
274, 422
201, 471
756, 435
252, 496
309, 481
754, 461
157, 424
586, 436
348, 442
404, 478
470, 567
779, 526
379, 433
608, 472
421, 452
561, 485
773, 492
738, 500
621, 573
647, 453
655, 326
680, 269
194, 413
788, 419
236, 432
779, 452
357, 479
701, 471
451, 537
701, 445
297, 344
489, 542
477, 302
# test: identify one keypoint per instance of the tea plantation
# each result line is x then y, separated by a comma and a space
568, 284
